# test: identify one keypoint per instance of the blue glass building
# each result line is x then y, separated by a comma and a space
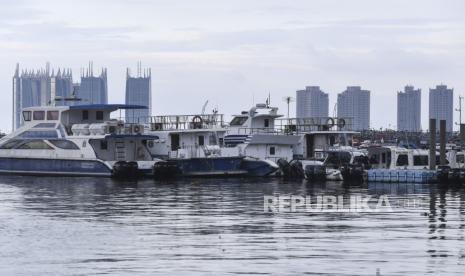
139, 92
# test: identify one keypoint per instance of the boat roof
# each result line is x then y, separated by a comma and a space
331, 132
108, 106
111, 107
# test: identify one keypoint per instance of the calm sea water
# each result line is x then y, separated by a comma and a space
90, 226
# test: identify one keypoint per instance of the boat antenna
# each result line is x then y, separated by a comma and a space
288, 100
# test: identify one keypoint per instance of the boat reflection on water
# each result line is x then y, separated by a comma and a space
99, 225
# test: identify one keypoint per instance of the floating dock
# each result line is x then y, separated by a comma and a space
404, 176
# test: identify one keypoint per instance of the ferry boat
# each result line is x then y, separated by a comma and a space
255, 135
340, 163
191, 146
390, 161
80, 140
204, 145
397, 164
324, 149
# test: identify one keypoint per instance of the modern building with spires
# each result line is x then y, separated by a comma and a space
92, 89
409, 109
39, 88
311, 103
441, 105
139, 92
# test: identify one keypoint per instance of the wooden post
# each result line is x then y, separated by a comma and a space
432, 144
442, 142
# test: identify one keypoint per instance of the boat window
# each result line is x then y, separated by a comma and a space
221, 142
39, 134
85, 115
64, 144
460, 158
212, 139
52, 115
272, 150
10, 144
383, 158
27, 116
201, 140
420, 160
266, 123
374, 159
103, 144
38, 115
45, 125
99, 115
338, 158
35, 144
238, 121
402, 160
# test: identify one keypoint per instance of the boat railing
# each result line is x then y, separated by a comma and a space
104, 128
184, 122
302, 125
250, 131
194, 151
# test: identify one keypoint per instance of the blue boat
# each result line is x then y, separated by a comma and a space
258, 167
79, 140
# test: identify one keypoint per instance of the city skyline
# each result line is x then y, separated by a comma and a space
138, 91
243, 51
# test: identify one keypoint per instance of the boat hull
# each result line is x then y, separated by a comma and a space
259, 167
63, 167
210, 166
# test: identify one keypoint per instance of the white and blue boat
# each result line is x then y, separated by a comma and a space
191, 146
197, 145
80, 140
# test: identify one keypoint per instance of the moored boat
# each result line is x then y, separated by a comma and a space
79, 140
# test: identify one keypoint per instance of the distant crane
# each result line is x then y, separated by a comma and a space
288, 100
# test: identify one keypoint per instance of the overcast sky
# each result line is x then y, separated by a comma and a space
234, 52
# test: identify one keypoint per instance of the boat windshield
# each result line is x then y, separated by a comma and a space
338, 158
238, 121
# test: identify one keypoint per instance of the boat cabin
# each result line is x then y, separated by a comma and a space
186, 136
82, 130
392, 157
345, 156
259, 119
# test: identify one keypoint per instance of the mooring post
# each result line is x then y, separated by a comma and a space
462, 134
432, 144
442, 142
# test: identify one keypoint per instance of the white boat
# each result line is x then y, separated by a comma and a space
191, 146
396, 159
324, 146
204, 145
255, 135
79, 140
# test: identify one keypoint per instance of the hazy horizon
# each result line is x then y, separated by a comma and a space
235, 53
